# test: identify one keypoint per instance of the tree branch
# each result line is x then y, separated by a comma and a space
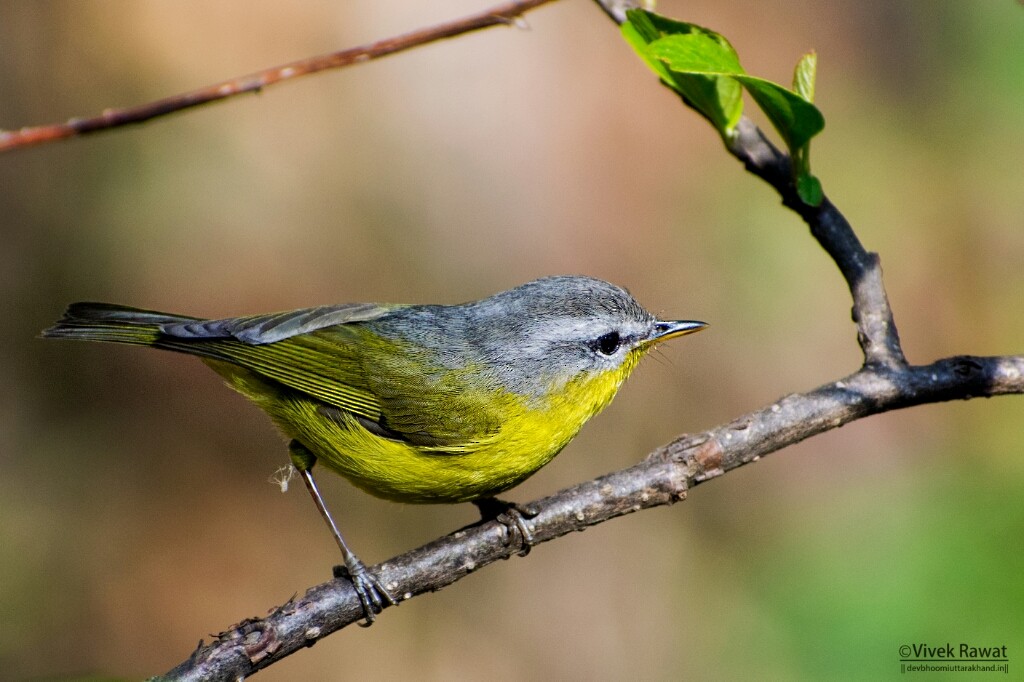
112, 118
663, 477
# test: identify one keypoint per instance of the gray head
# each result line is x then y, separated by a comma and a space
543, 334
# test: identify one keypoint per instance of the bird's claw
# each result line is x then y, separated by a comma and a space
512, 519
373, 596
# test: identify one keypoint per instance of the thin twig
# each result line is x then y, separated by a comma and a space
111, 118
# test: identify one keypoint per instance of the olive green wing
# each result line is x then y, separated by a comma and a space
448, 411
402, 391
315, 351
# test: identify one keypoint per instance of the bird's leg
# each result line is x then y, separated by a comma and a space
512, 518
372, 594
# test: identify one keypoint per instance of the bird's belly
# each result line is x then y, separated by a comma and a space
399, 471
528, 438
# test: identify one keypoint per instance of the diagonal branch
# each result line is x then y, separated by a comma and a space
662, 478
112, 118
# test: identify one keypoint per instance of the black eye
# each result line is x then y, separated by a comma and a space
607, 344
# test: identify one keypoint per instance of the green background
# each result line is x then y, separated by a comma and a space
135, 512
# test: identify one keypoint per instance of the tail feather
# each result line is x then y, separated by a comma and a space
110, 322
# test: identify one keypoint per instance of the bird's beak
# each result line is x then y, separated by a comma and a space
664, 331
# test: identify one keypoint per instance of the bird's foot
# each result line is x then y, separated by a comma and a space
512, 518
371, 592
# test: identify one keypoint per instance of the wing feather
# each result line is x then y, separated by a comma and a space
324, 353
258, 330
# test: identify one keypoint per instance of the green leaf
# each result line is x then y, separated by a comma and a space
704, 68
654, 26
796, 119
700, 62
690, 59
803, 76
809, 189
636, 36
697, 51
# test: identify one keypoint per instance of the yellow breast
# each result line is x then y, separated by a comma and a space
532, 432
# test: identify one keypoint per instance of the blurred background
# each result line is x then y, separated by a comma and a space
136, 514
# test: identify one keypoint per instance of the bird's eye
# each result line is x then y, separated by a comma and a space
608, 343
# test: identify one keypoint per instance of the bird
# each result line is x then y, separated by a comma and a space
415, 403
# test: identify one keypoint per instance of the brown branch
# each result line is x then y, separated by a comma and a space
255, 82
663, 477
